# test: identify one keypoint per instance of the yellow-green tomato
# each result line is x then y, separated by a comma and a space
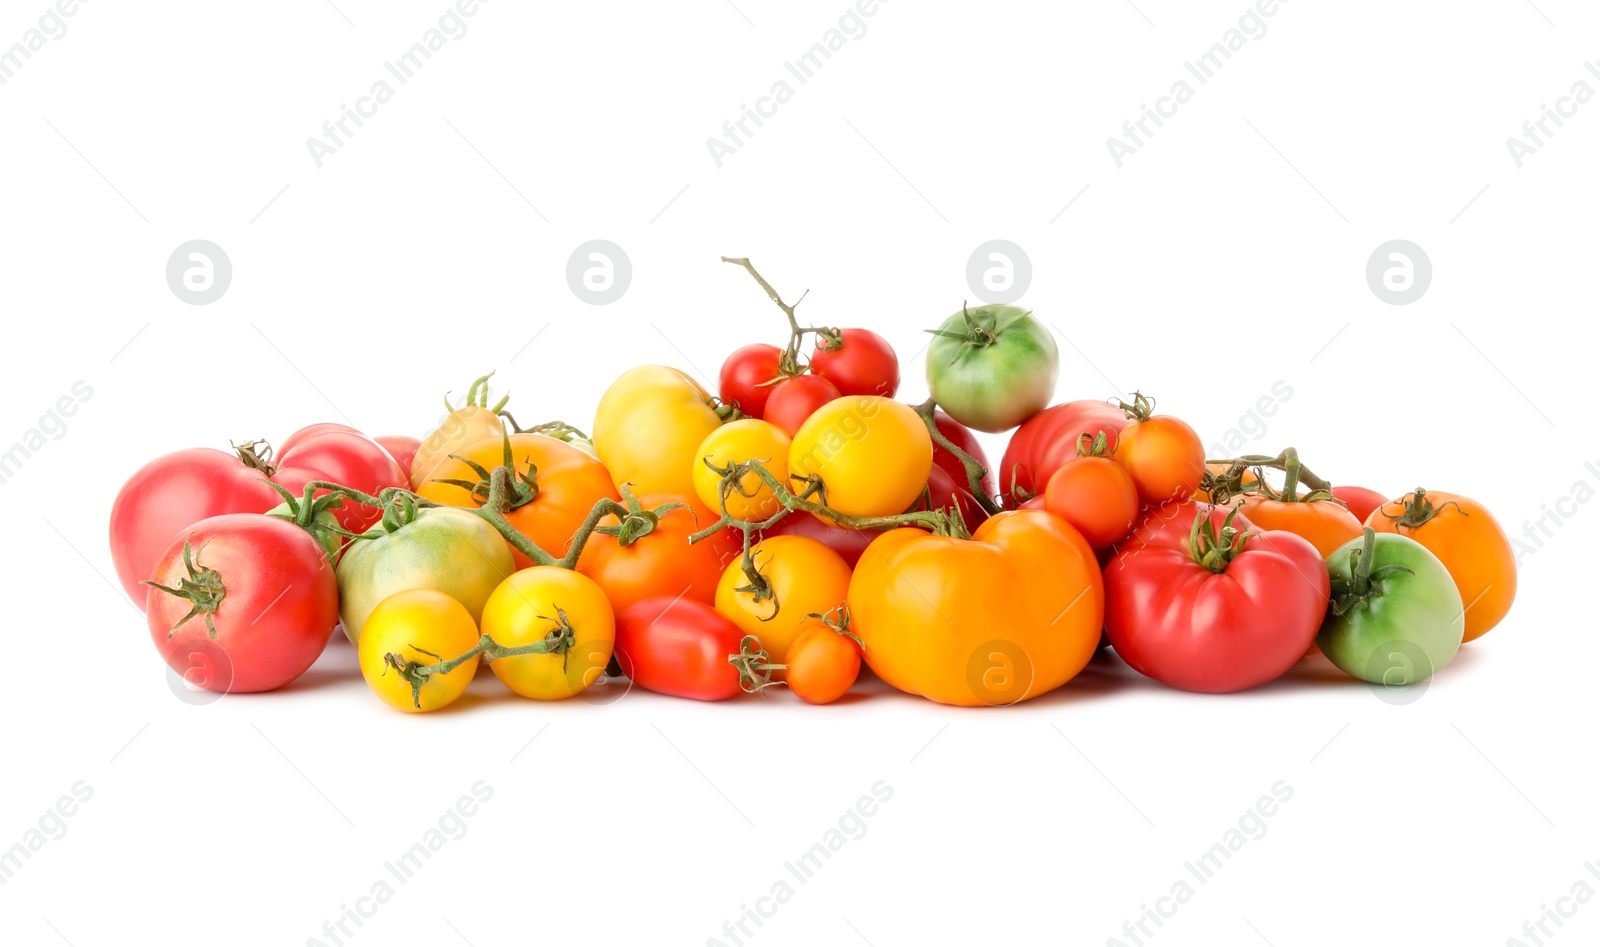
567, 611
419, 627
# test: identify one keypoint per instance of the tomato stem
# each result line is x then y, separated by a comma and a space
202, 587
789, 362
1230, 483
561, 638
754, 665
1418, 509
1355, 591
1212, 548
975, 471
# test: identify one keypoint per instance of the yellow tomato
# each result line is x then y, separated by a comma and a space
422, 627
872, 454
735, 443
805, 577
649, 425
566, 610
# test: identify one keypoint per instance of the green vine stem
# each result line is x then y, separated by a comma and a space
1418, 509
1354, 591
754, 665
975, 471
1230, 483
789, 363
559, 640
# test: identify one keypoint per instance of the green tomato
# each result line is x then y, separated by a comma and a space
450, 550
992, 368
1396, 616
322, 529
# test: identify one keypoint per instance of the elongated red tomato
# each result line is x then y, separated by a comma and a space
680, 647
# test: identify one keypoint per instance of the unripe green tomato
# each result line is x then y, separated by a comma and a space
992, 367
1407, 626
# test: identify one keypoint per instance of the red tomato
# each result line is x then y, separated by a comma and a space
961, 436
1097, 497
1360, 501
1049, 439
402, 449
344, 456
863, 363
848, 543
795, 399
1237, 621
746, 375
680, 647
260, 602
944, 492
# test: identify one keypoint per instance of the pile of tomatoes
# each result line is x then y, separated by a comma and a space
790, 527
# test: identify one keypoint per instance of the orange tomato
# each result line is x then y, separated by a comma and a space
661, 562
1010, 614
806, 578
1162, 454
1326, 524
1096, 496
823, 664
567, 484
1470, 543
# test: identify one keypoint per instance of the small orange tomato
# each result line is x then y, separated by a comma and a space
661, 562
1162, 454
823, 664
1470, 543
1096, 496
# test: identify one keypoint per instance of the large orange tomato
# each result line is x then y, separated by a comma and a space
803, 578
1010, 614
649, 426
661, 562
1470, 543
563, 485
872, 455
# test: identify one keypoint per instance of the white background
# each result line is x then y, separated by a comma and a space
1226, 255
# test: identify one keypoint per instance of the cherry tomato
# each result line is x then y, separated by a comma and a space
566, 611
873, 455
1097, 496
662, 561
1162, 454
804, 577
822, 664
1360, 501
747, 377
793, 400
739, 442
679, 647
1468, 540
858, 362
422, 627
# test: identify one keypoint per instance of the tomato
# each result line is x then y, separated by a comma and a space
992, 368
661, 561
1360, 501
1396, 616
1197, 600
562, 608
445, 549
858, 362
1468, 540
679, 647
179, 489
473, 421
739, 442
322, 526
1095, 495
945, 493
871, 454
961, 436
823, 663
1326, 524
241, 603
1008, 615
402, 448
793, 400
1049, 439
649, 425
419, 627
848, 543
747, 376
803, 577
559, 486
1162, 454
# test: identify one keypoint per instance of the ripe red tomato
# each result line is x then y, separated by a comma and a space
1097, 497
258, 603
680, 647
963, 437
848, 543
746, 376
1049, 439
944, 492
795, 399
343, 455
862, 363
1227, 611
402, 449
1360, 501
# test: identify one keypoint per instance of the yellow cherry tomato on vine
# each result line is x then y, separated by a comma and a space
739, 442
872, 455
649, 425
567, 611
803, 578
424, 627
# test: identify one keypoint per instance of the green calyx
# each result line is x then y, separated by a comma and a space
983, 329
1419, 509
1215, 548
477, 397
754, 665
524, 485
1355, 591
202, 587
1141, 409
637, 522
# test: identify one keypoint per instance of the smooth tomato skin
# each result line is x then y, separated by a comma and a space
463, 426
739, 442
808, 577
793, 400
997, 386
863, 364
279, 606
342, 455
1177, 622
402, 448
1420, 608
1164, 456
1469, 541
745, 378
872, 454
170, 493
963, 437
648, 426
848, 543
523, 610
570, 482
424, 626
679, 647
1097, 497
823, 665
1049, 439
1008, 615
446, 549
1360, 501
662, 562
1325, 524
